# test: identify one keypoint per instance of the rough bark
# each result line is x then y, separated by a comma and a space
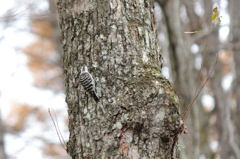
137, 116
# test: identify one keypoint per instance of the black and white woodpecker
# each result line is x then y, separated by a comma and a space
87, 82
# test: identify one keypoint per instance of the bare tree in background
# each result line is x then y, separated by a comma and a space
234, 38
205, 126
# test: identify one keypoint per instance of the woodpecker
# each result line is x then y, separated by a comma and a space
87, 82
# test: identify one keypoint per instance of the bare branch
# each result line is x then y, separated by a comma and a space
57, 129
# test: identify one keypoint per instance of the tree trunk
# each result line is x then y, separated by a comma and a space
138, 114
235, 39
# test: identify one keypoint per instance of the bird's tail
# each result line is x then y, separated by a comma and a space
93, 94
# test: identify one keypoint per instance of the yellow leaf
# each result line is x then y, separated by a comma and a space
218, 21
214, 16
198, 31
192, 32
215, 10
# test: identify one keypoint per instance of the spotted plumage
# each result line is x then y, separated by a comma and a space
87, 82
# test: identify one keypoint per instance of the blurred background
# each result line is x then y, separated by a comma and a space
32, 81
214, 121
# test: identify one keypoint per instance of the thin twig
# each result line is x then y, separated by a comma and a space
57, 130
58, 127
197, 92
184, 117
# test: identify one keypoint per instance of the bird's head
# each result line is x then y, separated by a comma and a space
84, 69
